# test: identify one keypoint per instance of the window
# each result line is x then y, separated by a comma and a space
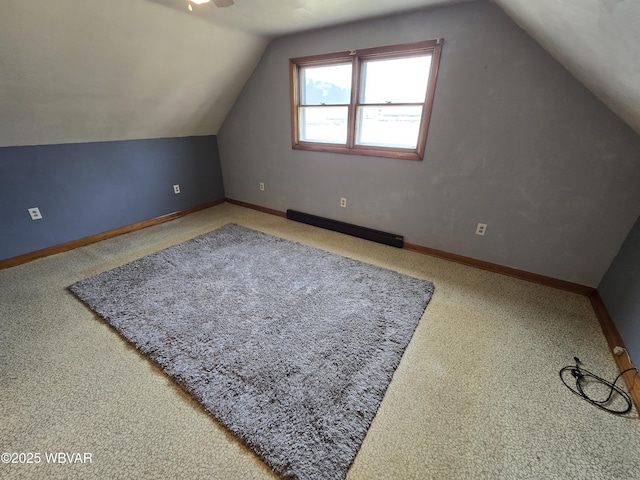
368, 102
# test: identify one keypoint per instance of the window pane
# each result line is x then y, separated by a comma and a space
389, 126
326, 84
323, 124
395, 80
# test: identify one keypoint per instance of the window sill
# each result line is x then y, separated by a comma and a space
360, 150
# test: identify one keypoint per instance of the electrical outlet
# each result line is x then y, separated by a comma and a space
176, 189
343, 202
261, 187
35, 213
481, 229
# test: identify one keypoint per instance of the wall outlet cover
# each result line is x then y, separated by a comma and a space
481, 229
35, 213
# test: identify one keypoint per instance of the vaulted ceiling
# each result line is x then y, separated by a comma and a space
88, 71
597, 40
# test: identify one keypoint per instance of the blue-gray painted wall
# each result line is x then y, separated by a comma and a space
515, 141
620, 291
83, 189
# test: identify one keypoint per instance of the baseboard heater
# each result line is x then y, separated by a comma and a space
353, 230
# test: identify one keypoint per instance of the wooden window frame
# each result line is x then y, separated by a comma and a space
356, 58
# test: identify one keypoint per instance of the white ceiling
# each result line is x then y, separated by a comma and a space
597, 40
91, 70
278, 17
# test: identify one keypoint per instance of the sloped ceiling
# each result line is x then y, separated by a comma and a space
81, 71
93, 70
596, 40
279, 17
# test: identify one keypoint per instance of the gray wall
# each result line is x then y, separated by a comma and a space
88, 188
620, 291
515, 142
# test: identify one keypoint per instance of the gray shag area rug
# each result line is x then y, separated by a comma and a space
290, 347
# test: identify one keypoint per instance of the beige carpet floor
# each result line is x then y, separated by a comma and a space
477, 394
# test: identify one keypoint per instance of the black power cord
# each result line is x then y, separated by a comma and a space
582, 376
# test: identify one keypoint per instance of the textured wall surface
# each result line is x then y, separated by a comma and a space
620, 290
515, 141
88, 188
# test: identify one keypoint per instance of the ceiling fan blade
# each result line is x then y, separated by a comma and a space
223, 3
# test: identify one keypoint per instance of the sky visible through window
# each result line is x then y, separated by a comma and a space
384, 82
397, 80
